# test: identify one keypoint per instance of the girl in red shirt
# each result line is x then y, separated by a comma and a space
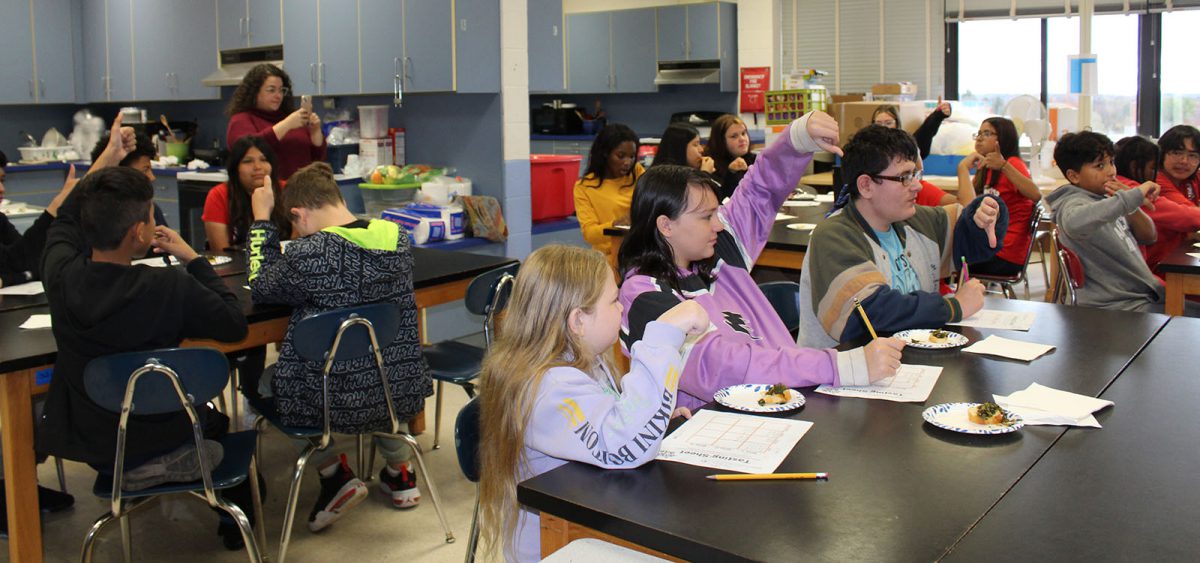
1176, 216
227, 214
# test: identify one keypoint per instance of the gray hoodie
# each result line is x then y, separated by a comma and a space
1095, 228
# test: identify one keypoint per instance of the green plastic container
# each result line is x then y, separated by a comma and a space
178, 150
378, 197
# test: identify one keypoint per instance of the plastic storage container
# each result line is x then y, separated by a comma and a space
373, 122
379, 197
552, 179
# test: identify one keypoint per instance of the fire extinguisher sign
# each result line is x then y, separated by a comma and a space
755, 81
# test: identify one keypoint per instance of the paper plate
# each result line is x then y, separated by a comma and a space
802, 196
795, 203
802, 226
745, 398
953, 417
218, 260
919, 338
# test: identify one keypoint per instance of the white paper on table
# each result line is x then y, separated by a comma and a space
36, 321
1046, 405
1009, 348
28, 288
1004, 320
782, 216
1195, 255
733, 442
156, 262
911, 384
824, 198
800, 203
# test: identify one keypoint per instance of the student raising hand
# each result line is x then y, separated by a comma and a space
262, 201
121, 142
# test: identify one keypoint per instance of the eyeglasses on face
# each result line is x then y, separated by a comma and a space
1179, 154
905, 180
284, 90
886, 122
983, 135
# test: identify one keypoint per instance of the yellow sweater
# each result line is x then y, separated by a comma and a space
598, 207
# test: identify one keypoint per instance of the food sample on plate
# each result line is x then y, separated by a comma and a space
775, 395
986, 413
938, 336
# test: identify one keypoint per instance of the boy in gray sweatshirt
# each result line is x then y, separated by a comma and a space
1101, 220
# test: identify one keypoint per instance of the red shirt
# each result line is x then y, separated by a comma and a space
216, 210
293, 152
1020, 210
930, 195
1175, 216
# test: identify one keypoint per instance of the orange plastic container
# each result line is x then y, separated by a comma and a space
552, 178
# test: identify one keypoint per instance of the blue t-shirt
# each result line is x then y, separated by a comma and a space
904, 278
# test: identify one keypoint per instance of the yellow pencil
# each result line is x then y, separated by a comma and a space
766, 476
866, 321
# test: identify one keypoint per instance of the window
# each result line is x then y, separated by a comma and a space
1180, 83
998, 60
1115, 44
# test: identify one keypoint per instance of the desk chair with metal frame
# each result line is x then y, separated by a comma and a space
328, 337
1071, 275
784, 297
466, 443
188, 376
1007, 282
454, 362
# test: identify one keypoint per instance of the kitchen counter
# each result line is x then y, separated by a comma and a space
80, 167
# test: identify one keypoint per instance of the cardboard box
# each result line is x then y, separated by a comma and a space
894, 89
851, 97
852, 116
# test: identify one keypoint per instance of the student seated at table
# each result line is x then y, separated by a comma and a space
999, 171
227, 214
888, 116
682, 246
680, 145
340, 261
138, 159
1136, 161
1179, 178
729, 147
1102, 220
21, 253
603, 194
882, 249
102, 305
547, 383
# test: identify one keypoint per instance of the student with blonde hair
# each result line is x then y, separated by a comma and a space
549, 394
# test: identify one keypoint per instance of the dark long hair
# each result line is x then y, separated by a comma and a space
662, 190
1174, 140
1132, 155
1007, 137
673, 147
717, 148
607, 141
246, 95
240, 212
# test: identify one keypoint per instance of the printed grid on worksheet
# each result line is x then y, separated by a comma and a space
743, 434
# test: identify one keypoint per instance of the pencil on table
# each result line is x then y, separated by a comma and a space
962, 275
866, 321
766, 476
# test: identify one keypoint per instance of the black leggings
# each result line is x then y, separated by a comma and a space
995, 267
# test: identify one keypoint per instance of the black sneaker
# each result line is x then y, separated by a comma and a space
231, 536
402, 488
339, 493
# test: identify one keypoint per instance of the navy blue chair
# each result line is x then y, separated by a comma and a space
785, 299
339, 335
466, 443
158, 382
458, 363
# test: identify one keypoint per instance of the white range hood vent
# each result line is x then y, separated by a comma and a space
235, 63
688, 72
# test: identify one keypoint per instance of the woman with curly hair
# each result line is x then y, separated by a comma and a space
263, 106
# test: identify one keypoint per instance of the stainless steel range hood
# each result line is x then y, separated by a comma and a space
688, 72
235, 63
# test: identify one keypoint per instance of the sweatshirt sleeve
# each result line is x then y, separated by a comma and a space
751, 211
64, 242
273, 278
242, 124
210, 309
970, 241
927, 131
1080, 216
589, 221
21, 253
576, 418
1170, 215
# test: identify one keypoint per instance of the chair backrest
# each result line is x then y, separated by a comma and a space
1035, 219
466, 440
785, 299
1070, 268
481, 294
313, 336
202, 372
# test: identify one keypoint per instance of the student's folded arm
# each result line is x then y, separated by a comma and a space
19, 253
272, 278
970, 241
574, 418
718, 360
750, 214
210, 309
1171, 215
1079, 217
589, 222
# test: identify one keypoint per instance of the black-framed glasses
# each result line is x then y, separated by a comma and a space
905, 180
983, 134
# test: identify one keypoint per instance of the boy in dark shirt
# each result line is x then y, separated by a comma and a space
21, 253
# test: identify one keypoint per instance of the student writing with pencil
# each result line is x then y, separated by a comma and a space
883, 250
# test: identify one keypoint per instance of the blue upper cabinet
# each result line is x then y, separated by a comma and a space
477, 46
728, 54
163, 73
263, 23
589, 53
231, 24
300, 54
545, 46
633, 40
53, 31
120, 51
16, 40
428, 64
338, 70
672, 33
703, 32
382, 44
95, 61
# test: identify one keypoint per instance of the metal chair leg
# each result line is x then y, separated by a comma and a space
437, 505
437, 417
89, 541
289, 514
260, 523
370, 460
235, 421
362, 459
243, 524
126, 538
473, 541
62, 477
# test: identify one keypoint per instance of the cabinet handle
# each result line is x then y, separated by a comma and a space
249, 35
31, 96
407, 68
321, 73
555, 30
462, 24
312, 73
41, 88
397, 88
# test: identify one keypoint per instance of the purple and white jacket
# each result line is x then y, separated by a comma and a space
746, 341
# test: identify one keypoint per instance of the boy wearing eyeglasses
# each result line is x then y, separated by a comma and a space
884, 250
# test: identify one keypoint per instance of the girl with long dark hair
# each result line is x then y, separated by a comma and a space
603, 194
227, 214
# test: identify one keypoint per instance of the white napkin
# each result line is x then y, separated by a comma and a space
782, 216
825, 198
1008, 348
1195, 255
800, 203
1039, 404
36, 321
156, 262
28, 288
